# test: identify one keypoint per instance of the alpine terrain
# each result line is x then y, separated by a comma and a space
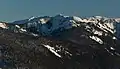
60, 42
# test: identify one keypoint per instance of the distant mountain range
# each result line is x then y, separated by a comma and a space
47, 25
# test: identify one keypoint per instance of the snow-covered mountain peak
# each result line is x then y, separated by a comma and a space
47, 25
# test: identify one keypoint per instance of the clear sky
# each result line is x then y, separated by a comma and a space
11, 10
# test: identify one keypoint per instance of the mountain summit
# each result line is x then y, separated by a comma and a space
47, 26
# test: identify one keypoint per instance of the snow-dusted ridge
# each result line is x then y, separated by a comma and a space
47, 25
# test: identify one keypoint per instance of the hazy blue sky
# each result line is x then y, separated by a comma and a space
11, 10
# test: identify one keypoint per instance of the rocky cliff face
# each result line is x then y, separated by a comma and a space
60, 42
